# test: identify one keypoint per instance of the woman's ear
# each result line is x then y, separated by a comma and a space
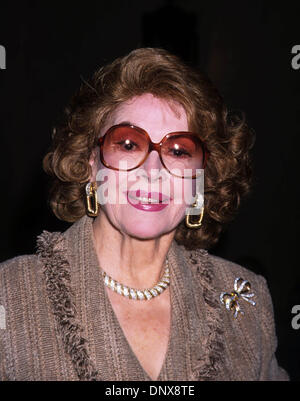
94, 164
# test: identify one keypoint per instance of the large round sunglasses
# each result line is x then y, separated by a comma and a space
181, 153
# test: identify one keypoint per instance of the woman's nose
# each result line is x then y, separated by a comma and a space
152, 166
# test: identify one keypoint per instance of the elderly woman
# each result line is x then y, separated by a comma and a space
129, 291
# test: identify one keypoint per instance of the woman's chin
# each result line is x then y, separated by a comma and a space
144, 231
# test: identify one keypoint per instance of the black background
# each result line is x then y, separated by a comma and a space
243, 46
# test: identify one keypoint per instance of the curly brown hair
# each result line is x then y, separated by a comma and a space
228, 174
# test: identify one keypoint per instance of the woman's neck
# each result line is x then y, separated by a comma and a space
134, 262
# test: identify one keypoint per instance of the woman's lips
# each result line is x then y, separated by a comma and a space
148, 201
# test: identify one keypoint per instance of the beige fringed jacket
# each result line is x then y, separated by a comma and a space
59, 323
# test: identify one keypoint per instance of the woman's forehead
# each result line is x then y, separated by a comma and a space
152, 114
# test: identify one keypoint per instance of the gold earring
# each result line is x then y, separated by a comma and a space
198, 223
91, 199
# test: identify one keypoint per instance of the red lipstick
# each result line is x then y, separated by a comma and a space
148, 201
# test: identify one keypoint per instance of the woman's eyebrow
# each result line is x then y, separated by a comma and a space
127, 123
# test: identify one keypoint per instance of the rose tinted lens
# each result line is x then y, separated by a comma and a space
124, 144
183, 154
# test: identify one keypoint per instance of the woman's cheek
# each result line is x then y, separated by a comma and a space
184, 191
108, 187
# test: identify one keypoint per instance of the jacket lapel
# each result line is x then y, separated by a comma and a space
202, 311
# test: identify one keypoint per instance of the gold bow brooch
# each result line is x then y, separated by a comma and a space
241, 291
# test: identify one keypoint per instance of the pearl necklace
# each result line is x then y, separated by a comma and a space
139, 295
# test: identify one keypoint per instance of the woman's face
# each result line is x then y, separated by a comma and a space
121, 188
